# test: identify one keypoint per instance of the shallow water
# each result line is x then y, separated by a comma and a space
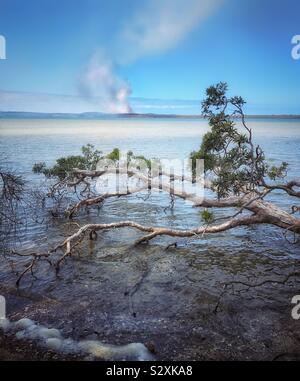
177, 288
25, 142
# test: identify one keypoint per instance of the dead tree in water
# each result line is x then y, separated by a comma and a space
236, 172
11, 195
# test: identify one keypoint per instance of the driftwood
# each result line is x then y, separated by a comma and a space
252, 209
259, 211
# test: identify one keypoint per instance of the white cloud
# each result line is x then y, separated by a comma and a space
157, 26
161, 25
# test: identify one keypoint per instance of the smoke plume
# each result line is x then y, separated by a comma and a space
156, 27
98, 80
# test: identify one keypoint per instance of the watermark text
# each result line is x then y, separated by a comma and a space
296, 309
180, 177
296, 48
2, 307
2, 48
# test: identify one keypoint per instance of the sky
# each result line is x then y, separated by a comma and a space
153, 56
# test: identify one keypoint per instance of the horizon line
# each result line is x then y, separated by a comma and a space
133, 114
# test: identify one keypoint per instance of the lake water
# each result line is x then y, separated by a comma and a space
177, 281
25, 142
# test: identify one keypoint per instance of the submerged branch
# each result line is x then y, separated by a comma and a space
71, 242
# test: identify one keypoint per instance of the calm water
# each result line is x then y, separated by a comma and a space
24, 142
182, 283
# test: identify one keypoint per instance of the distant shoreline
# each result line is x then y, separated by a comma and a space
101, 116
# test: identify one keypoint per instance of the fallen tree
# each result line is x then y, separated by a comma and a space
237, 175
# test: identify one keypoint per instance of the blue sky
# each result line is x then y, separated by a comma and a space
147, 55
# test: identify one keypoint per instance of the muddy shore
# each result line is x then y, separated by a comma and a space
172, 301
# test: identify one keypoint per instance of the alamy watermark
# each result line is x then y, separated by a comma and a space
2, 307
296, 48
2, 48
296, 309
134, 174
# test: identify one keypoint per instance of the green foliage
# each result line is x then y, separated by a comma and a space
138, 161
91, 156
114, 155
277, 172
141, 161
64, 166
39, 167
207, 216
229, 154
